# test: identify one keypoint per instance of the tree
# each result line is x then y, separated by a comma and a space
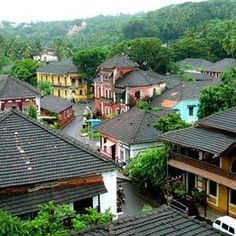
143, 105
170, 122
150, 167
25, 70
88, 60
32, 111
45, 87
149, 53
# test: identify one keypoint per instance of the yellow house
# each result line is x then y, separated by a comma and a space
65, 79
204, 157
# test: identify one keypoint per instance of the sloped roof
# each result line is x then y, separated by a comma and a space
195, 63
61, 67
133, 127
121, 61
11, 88
139, 77
162, 221
211, 141
222, 65
19, 204
225, 121
184, 91
50, 154
172, 81
55, 104
199, 76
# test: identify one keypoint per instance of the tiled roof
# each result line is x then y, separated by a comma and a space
172, 81
139, 77
222, 65
61, 68
120, 61
199, 76
202, 139
184, 91
19, 204
55, 104
11, 88
160, 222
51, 154
133, 127
195, 63
225, 121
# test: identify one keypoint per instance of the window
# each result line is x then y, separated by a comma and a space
190, 110
233, 196
59, 92
212, 188
231, 230
117, 111
74, 92
121, 155
65, 93
65, 81
225, 226
73, 82
137, 94
80, 81
81, 92
233, 167
218, 222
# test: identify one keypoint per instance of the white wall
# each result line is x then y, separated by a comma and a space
37, 101
108, 200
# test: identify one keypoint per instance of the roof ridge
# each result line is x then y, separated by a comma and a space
64, 137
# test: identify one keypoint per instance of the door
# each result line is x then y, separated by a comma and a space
191, 182
113, 152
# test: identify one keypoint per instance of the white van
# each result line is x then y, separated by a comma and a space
225, 224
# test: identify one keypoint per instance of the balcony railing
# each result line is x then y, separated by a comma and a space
203, 165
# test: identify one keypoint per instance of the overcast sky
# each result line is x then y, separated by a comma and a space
48, 10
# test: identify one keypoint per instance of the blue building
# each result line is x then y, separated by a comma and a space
184, 98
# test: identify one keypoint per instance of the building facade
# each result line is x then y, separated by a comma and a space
204, 157
65, 79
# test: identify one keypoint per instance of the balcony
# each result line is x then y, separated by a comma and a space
202, 165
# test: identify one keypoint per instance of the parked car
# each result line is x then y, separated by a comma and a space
186, 207
225, 224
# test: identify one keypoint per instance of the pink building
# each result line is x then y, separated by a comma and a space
120, 84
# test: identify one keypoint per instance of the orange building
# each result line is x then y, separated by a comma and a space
205, 157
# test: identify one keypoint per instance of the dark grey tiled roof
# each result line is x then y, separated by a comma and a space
202, 139
172, 81
62, 67
55, 104
195, 63
52, 154
19, 204
160, 222
11, 88
222, 65
133, 127
184, 91
225, 120
139, 77
121, 61
199, 76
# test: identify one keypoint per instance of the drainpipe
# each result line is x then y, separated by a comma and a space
205, 199
227, 210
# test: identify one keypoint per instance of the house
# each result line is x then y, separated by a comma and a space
15, 93
161, 222
215, 70
184, 98
39, 164
65, 79
204, 156
126, 135
120, 84
193, 65
46, 56
59, 107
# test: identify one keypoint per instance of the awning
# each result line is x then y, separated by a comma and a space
108, 144
29, 202
205, 174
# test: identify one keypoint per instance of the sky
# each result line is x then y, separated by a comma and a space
51, 10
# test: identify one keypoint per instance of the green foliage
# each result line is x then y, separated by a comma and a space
45, 87
32, 111
55, 125
88, 60
180, 191
185, 77
11, 225
149, 167
143, 105
149, 53
170, 122
26, 70
146, 208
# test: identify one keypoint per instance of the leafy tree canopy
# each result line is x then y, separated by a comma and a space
45, 87
149, 53
32, 111
26, 70
170, 122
